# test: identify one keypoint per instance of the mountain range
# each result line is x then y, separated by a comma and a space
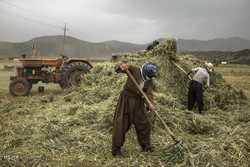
217, 57
51, 46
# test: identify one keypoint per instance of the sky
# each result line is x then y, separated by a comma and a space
134, 21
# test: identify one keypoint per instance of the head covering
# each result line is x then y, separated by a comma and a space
147, 69
209, 66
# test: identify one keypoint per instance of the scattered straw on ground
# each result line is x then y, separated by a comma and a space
74, 128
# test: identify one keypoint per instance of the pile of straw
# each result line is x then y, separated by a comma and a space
75, 128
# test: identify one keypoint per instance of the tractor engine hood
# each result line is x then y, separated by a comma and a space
17, 63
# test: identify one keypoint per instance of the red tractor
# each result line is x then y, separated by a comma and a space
67, 72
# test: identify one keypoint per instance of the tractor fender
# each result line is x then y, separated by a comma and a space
78, 60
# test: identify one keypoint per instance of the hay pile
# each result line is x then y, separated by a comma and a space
75, 128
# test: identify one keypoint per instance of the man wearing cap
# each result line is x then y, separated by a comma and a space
131, 108
195, 92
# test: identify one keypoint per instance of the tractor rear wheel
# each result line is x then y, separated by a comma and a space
19, 87
72, 74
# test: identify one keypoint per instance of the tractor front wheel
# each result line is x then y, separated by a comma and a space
19, 87
72, 74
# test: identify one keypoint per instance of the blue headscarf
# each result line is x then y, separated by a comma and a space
147, 69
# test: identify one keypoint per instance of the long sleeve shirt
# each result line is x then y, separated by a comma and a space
200, 75
147, 87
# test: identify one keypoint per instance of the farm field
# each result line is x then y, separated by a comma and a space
237, 75
73, 127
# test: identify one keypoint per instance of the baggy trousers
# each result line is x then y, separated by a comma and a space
195, 93
130, 110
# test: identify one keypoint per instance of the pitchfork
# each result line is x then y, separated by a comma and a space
184, 73
157, 114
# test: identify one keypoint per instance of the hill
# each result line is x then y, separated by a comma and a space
216, 57
123, 47
219, 44
51, 46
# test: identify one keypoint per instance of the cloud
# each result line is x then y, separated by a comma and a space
139, 21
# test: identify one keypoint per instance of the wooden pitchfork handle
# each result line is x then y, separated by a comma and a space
156, 113
181, 69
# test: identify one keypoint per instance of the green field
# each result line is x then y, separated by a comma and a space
73, 127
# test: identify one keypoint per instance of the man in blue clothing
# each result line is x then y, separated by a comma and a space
195, 92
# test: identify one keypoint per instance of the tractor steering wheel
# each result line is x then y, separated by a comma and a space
64, 57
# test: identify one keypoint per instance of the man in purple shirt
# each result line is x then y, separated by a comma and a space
195, 92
